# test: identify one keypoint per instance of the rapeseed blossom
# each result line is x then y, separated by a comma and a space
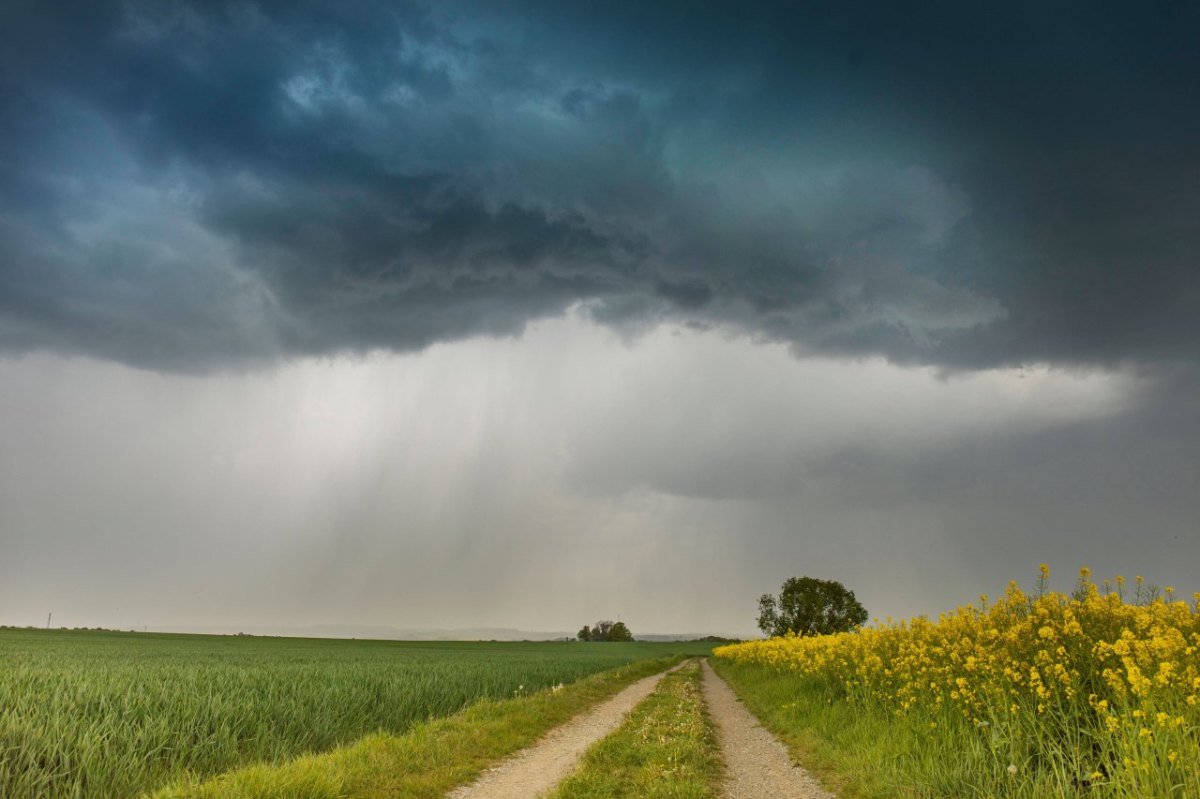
1102, 685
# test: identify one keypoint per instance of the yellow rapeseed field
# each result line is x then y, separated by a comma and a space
1099, 689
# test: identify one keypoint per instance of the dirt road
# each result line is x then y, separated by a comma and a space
757, 764
534, 771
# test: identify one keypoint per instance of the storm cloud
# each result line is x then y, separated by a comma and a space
190, 187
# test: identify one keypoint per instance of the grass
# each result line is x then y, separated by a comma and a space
429, 759
667, 749
98, 714
863, 753
855, 755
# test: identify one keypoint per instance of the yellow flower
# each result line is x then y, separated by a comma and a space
1027, 663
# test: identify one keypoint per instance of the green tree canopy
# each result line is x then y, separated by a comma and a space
606, 631
620, 632
808, 606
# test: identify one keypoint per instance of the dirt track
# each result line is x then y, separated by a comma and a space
757, 764
534, 771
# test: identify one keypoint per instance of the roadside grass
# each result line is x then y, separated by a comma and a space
666, 749
863, 753
856, 754
429, 759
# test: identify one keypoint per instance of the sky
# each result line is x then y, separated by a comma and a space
527, 314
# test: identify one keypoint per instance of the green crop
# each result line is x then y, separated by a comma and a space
98, 714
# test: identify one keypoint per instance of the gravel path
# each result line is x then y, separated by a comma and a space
534, 771
757, 764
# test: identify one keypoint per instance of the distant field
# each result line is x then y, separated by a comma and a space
98, 714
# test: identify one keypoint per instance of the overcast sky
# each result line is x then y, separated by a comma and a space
529, 314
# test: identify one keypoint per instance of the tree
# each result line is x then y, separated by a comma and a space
808, 606
606, 631
620, 632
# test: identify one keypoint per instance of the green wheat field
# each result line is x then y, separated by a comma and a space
109, 714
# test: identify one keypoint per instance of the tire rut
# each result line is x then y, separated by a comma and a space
758, 766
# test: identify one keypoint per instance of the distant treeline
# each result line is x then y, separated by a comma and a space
606, 631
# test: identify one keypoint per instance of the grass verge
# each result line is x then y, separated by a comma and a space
666, 748
861, 753
426, 761
855, 755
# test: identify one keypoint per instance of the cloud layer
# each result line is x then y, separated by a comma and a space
191, 187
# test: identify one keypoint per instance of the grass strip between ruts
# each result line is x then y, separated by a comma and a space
426, 761
666, 748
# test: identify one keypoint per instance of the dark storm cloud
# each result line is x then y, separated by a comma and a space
188, 186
